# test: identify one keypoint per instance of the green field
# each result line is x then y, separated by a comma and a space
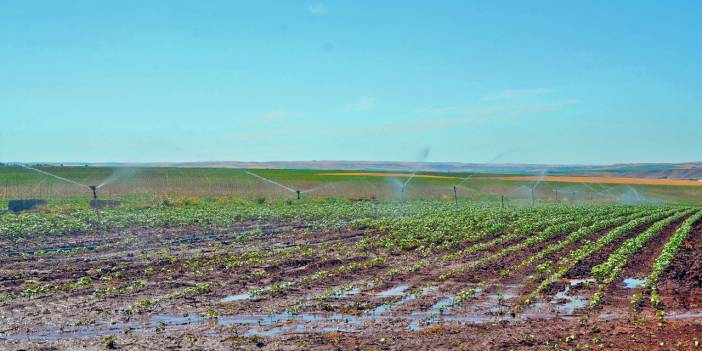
208, 251
145, 186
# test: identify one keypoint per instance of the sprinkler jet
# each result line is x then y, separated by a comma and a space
297, 192
455, 195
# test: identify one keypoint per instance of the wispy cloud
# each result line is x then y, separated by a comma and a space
413, 126
434, 118
362, 104
317, 9
512, 94
391, 128
268, 117
258, 135
504, 108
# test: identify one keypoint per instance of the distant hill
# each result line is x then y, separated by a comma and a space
692, 170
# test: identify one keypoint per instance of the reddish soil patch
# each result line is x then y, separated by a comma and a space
681, 285
605, 180
582, 269
639, 266
188, 263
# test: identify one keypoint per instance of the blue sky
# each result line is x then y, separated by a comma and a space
489, 81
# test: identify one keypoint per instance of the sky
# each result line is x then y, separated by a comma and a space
587, 82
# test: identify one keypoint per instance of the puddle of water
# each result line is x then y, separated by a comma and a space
498, 310
477, 319
502, 297
633, 283
299, 328
167, 320
388, 306
316, 323
432, 315
683, 315
268, 319
442, 306
346, 294
392, 292
237, 297
421, 318
576, 282
569, 307
567, 304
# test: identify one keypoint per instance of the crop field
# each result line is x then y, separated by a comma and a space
243, 265
147, 186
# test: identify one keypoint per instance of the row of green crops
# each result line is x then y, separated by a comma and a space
522, 227
435, 222
546, 234
571, 259
665, 258
624, 216
77, 220
606, 272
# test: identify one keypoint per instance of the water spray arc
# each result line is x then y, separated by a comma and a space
271, 181
455, 190
296, 192
422, 158
53, 175
404, 185
533, 187
94, 203
468, 177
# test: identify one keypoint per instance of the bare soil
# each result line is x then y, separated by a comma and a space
164, 289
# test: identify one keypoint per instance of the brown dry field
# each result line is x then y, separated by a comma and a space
605, 180
400, 175
558, 179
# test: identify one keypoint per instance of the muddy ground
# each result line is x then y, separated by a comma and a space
288, 286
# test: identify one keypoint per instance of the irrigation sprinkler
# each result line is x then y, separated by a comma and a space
532, 196
96, 203
29, 204
502, 201
297, 192
463, 180
407, 181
